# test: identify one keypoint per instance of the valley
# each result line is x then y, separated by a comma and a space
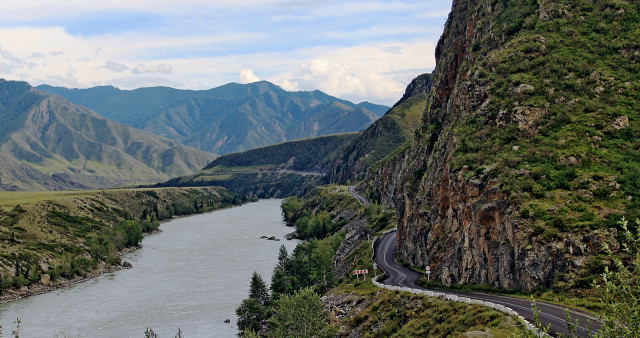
511, 173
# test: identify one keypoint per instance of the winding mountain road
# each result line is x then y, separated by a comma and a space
398, 275
363, 200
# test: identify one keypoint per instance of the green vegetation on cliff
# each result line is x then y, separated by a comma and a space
561, 122
560, 127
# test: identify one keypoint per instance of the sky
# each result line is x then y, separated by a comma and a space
356, 50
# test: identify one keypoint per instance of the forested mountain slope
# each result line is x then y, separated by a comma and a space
278, 170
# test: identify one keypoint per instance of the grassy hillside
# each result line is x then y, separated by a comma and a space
228, 118
563, 122
279, 170
49, 143
73, 235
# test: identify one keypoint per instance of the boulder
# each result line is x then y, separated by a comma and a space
525, 88
621, 122
45, 279
291, 235
126, 265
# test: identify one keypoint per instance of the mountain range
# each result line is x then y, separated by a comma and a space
230, 118
49, 143
294, 167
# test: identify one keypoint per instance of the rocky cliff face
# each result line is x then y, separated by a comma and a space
467, 223
421, 85
383, 136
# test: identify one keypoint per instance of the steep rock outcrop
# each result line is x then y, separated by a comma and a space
383, 136
421, 85
465, 223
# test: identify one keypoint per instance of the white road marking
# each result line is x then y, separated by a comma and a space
384, 258
521, 307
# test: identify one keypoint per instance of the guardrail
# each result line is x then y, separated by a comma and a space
455, 298
447, 296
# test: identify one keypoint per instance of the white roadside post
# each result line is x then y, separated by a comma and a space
427, 270
375, 270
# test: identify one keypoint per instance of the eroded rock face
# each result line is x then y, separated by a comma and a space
356, 233
461, 223
421, 85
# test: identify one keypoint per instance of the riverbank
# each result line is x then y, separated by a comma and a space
76, 236
11, 295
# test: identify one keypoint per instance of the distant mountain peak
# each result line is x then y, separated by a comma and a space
230, 118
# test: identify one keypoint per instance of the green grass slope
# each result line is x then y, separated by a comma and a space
563, 120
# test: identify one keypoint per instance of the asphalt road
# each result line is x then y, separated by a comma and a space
399, 275
363, 200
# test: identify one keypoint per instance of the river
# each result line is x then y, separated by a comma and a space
192, 276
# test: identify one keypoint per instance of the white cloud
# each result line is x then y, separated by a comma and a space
374, 60
343, 81
247, 76
159, 68
139, 81
116, 67
288, 85
370, 72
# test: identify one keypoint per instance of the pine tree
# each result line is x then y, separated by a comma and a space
258, 290
283, 258
280, 283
